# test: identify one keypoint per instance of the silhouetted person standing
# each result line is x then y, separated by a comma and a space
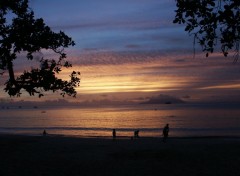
44, 133
165, 132
136, 134
114, 134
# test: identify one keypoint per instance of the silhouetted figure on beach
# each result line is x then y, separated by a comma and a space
165, 132
114, 134
136, 134
44, 133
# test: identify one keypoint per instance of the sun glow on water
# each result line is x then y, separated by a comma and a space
100, 121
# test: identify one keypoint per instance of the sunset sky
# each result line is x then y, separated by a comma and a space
130, 51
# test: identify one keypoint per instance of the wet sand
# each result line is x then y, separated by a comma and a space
72, 156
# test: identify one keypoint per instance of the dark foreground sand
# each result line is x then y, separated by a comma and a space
69, 156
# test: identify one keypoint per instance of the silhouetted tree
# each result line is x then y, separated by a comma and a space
211, 22
21, 33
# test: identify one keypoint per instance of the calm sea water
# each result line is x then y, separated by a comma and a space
183, 121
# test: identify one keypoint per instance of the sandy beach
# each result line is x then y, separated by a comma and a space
73, 156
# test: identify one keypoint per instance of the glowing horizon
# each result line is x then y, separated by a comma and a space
130, 50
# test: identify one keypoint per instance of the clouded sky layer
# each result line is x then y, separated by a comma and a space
130, 50
113, 25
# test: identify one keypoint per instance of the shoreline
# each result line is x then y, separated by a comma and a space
122, 137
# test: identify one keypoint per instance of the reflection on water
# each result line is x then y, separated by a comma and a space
100, 121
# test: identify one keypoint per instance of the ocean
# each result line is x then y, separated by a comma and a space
184, 120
